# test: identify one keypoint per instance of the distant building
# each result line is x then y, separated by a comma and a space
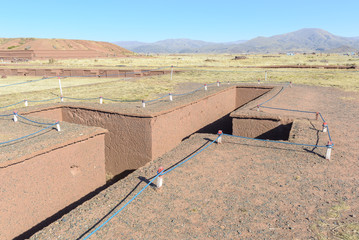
290, 54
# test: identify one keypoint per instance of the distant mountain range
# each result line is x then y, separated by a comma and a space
304, 40
176, 46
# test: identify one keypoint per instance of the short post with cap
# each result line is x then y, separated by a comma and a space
219, 139
58, 126
60, 86
160, 177
171, 72
15, 116
329, 150
325, 127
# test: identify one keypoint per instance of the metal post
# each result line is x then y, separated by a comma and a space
171, 72
60, 87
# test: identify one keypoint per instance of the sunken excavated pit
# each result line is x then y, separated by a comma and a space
261, 127
135, 136
133, 139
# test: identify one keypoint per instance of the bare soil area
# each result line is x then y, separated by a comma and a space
241, 189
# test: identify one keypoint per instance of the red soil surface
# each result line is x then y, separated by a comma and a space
241, 189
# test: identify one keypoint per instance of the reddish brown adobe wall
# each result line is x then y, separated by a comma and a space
128, 141
247, 94
11, 54
40, 186
54, 113
132, 141
80, 72
170, 128
57, 54
248, 122
261, 127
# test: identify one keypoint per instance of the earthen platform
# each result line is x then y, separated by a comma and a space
44, 173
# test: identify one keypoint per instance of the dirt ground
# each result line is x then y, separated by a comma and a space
241, 189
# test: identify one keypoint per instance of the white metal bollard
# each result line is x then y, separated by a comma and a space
60, 86
101, 100
259, 81
205, 87
58, 126
217, 83
257, 108
62, 98
159, 178
171, 72
329, 150
15, 116
219, 139
171, 97
325, 127
143, 103
26, 103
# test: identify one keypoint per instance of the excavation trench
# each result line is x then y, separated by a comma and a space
134, 138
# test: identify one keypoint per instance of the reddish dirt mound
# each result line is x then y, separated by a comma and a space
55, 48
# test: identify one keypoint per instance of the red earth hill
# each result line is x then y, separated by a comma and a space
34, 48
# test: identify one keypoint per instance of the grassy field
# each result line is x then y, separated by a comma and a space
223, 61
211, 61
195, 68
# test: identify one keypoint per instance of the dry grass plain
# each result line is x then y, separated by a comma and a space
195, 68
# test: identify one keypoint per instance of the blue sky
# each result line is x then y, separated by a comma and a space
149, 21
